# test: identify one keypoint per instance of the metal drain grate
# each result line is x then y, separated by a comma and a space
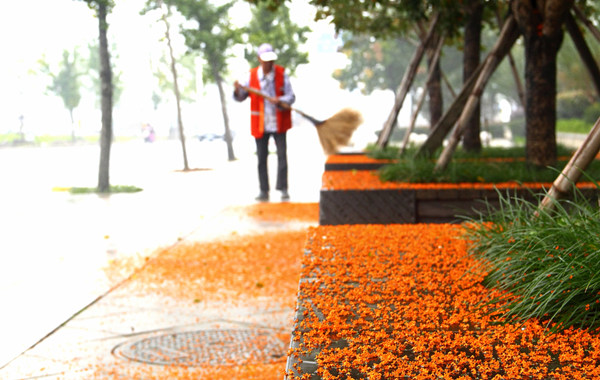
206, 347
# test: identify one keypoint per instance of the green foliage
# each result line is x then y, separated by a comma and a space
573, 126
212, 36
374, 63
592, 113
65, 83
276, 28
572, 104
467, 169
547, 266
518, 152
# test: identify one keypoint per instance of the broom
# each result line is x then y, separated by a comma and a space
333, 132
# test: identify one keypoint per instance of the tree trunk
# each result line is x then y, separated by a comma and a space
409, 75
73, 138
584, 51
436, 101
542, 32
186, 167
228, 138
106, 102
471, 59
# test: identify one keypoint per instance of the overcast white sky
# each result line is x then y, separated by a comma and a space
31, 29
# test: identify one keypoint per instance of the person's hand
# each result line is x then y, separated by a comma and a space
237, 85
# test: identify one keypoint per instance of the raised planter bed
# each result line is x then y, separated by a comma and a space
359, 197
408, 302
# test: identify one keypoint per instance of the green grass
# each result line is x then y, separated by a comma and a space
113, 189
573, 126
472, 167
547, 265
422, 170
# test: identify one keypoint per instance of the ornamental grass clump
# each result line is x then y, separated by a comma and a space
547, 263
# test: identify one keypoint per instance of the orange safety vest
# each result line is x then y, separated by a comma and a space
257, 105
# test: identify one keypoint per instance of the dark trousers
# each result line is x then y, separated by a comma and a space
262, 151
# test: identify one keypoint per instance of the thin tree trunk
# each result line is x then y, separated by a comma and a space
571, 173
106, 102
471, 59
507, 38
177, 93
72, 125
405, 85
584, 51
411, 127
227, 136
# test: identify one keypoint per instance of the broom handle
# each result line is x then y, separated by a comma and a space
282, 104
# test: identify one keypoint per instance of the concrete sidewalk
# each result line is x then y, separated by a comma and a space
124, 330
91, 330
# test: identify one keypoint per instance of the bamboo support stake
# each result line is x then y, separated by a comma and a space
507, 38
405, 85
434, 61
571, 173
448, 85
513, 68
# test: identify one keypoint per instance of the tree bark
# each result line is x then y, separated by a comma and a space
409, 75
471, 59
106, 102
584, 51
541, 27
227, 136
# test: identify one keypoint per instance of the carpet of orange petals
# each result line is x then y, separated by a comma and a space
406, 302
355, 159
369, 180
256, 270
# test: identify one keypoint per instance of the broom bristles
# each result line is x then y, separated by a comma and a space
336, 131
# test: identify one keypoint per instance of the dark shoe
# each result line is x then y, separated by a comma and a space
284, 195
263, 197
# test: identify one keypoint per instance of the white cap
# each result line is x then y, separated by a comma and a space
266, 53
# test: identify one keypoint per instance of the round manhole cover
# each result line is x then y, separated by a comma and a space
206, 347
